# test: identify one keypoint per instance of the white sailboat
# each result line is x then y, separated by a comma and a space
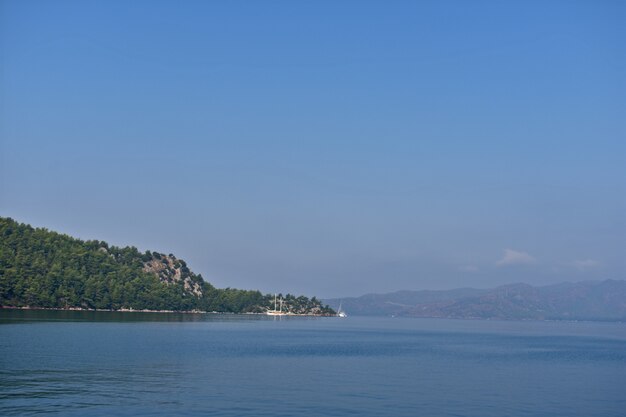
276, 312
341, 313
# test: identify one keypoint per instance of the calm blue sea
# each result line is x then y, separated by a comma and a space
142, 364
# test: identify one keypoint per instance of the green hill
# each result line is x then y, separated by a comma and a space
40, 268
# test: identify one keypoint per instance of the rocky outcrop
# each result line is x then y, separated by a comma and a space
171, 270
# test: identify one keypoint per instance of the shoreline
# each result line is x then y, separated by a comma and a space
130, 310
122, 310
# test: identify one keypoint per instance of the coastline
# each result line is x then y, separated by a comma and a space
130, 310
122, 310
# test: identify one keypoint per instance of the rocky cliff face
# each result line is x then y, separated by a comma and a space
173, 271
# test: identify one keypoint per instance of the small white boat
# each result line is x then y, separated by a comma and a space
340, 312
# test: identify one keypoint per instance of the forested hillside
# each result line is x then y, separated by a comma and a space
40, 268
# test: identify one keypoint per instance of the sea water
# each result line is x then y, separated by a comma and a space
156, 364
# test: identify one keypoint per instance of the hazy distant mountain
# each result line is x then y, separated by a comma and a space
396, 302
589, 300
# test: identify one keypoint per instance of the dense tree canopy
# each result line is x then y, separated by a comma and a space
40, 268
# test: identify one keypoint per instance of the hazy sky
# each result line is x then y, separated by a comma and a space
331, 148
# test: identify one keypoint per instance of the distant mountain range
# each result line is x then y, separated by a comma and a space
587, 300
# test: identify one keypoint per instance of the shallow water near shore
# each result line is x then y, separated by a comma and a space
161, 364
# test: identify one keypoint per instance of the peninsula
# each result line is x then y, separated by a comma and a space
44, 269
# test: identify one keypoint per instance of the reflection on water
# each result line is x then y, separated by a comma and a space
158, 364
13, 315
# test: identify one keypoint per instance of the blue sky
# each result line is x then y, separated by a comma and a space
330, 147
